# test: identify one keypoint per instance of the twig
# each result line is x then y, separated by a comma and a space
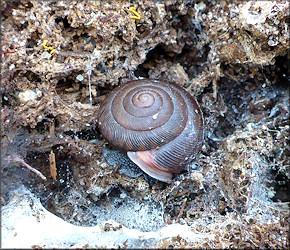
198, 178
17, 159
181, 210
52, 165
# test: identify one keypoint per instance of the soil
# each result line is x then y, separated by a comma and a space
60, 59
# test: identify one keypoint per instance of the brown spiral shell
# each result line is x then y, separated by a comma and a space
158, 124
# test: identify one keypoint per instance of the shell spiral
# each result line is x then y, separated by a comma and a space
159, 124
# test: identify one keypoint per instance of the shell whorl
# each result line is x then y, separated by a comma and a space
154, 115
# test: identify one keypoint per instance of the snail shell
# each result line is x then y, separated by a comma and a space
158, 124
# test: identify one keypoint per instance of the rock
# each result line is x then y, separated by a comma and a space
26, 224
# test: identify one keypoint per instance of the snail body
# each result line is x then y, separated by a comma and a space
158, 124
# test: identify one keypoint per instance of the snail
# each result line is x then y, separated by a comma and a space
157, 123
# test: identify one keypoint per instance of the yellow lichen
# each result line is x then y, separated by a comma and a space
136, 14
52, 50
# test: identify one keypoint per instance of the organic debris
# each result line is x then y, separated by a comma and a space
59, 61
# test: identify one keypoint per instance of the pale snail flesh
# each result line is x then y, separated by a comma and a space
157, 123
